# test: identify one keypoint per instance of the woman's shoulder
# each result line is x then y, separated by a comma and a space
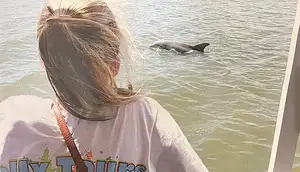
26, 108
21, 101
145, 108
26, 123
147, 104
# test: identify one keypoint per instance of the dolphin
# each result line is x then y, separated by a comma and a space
179, 48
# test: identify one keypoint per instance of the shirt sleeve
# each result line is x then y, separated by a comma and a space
25, 125
177, 154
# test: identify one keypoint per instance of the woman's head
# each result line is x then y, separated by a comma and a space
80, 49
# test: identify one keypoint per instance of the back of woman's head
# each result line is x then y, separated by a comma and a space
80, 49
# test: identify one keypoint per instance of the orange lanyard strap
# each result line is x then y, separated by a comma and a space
70, 142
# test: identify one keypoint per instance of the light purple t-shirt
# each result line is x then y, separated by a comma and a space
143, 137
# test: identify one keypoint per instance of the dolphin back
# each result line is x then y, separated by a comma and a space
200, 47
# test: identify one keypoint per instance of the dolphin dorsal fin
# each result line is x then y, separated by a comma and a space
200, 47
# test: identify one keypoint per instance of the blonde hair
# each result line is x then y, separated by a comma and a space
77, 46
